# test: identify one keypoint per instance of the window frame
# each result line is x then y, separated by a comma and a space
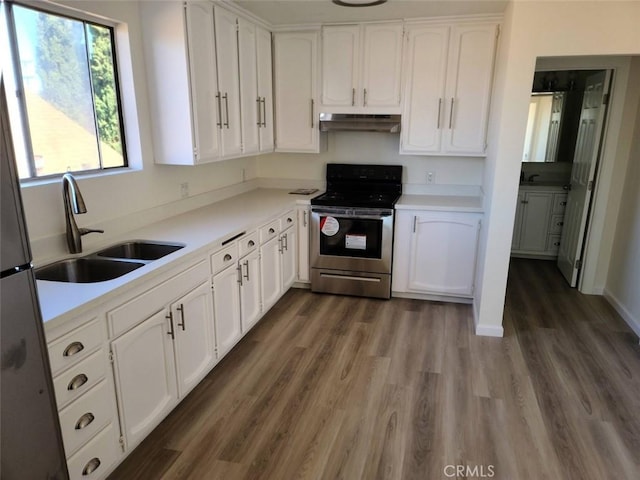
16, 72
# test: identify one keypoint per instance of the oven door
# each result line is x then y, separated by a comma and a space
354, 239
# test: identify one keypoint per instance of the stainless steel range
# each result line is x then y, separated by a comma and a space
352, 230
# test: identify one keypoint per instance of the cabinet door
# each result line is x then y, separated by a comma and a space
443, 253
381, 67
145, 374
289, 258
270, 273
250, 102
295, 64
228, 84
469, 78
226, 305
423, 110
535, 221
340, 65
265, 88
250, 300
203, 80
303, 244
194, 342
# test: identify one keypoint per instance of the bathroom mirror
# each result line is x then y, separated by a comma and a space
543, 127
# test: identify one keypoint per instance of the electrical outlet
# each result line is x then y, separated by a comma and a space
184, 190
431, 178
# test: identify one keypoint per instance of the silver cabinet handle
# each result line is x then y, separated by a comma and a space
559, 224
439, 111
312, 108
264, 112
304, 218
365, 98
353, 97
72, 349
280, 244
91, 466
180, 308
239, 270
259, 100
227, 257
219, 122
524, 201
451, 114
251, 243
289, 219
415, 220
170, 332
271, 231
77, 381
226, 108
85, 420
285, 242
246, 264
563, 204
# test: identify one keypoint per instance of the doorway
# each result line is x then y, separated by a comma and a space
562, 146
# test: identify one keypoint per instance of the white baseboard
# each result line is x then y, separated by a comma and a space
489, 330
627, 316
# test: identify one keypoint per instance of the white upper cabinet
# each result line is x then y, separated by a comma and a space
361, 67
296, 92
449, 72
179, 47
226, 30
265, 89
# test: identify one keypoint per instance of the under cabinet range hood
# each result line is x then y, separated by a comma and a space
332, 122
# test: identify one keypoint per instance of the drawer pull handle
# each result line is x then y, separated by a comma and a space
557, 244
271, 231
85, 420
227, 257
560, 224
251, 243
289, 220
91, 466
77, 382
563, 204
72, 349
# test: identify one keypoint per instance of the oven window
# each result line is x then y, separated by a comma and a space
350, 237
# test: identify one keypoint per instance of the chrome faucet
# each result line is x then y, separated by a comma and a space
74, 203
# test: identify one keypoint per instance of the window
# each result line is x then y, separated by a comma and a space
69, 103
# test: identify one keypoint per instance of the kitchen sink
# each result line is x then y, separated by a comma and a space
86, 270
139, 250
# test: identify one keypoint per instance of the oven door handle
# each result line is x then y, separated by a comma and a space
370, 216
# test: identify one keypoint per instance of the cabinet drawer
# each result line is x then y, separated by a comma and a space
557, 221
269, 231
86, 416
287, 220
142, 307
76, 345
79, 378
553, 244
224, 258
248, 243
94, 459
559, 202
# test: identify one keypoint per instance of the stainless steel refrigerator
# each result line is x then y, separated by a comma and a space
31, 443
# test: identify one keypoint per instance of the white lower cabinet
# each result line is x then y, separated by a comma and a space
144, 365
226, 301
435, 252
250, 297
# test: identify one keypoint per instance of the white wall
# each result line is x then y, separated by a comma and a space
534, 30
118, 201
624, 271
371, 147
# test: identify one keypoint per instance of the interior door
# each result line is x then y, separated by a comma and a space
583, 175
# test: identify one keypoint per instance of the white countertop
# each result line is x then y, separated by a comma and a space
445, 203
201, 230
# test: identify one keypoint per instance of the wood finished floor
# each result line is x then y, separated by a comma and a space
329, 387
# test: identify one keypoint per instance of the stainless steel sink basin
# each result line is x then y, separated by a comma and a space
139, 250
86, 270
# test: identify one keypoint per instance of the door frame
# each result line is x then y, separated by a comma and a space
612, 163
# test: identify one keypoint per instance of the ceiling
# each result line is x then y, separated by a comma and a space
293, 12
